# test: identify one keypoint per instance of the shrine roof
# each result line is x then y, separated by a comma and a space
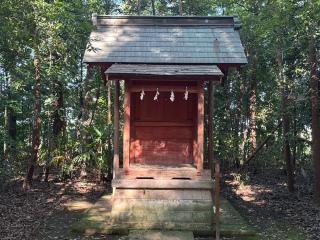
162, 70
165, 40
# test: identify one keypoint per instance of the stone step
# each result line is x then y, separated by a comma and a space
92, 227
168, 209
160, 235
98, 220
123, 205
160, 216
168, 226
163, 194
162, 184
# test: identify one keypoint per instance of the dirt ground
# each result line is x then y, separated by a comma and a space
43, 212
49, 209
277, 214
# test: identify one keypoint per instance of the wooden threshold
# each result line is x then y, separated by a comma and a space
163, 124
160, 172
162, 184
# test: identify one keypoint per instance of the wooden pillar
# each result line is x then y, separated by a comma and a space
210, 126
116, 130
217, 199
126, 127
200, 115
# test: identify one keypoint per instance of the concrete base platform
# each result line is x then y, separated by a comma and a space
99, 219
160, 235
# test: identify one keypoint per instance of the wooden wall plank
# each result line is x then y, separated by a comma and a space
191, 89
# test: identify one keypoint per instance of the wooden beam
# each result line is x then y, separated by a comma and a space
116, 131
137, 88
126, 127
200, 115
210, 126
163, 124
162, 184
217, 199
148, 77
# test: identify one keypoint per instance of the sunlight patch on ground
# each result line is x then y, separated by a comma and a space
78, 205
248, 193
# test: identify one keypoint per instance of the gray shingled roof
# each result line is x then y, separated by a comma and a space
165, 40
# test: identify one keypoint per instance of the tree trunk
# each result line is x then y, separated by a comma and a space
81, 104
6, 123
286, 121
153, 8
58, 114
12, 127
243, 147
314, 96
295, 135
252, 110
286, 132
242, 125
180, 8
92, 114
5, 138
264, 142
190, 6
12, 133
36, 125
47, 167
139, 7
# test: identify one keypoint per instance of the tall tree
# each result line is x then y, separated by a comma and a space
285, 118
180, 8
153, 7
315, 123
36, 121
35, 18
252, 105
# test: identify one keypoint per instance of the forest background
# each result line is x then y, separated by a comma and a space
56, 118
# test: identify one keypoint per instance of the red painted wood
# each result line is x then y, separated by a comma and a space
126, 127
172, 132
116, 131
161, 151
162, 131
200, 128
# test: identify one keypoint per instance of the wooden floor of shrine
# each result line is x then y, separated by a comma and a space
182, 176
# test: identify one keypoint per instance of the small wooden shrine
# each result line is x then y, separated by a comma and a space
164, 63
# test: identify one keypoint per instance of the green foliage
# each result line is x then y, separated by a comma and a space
75, 132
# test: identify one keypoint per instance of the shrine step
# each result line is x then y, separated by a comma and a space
162, 184
169, 209
160, 235
120, 205
163, 194
99, 219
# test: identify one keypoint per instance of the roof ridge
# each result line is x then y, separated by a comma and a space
107, 20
